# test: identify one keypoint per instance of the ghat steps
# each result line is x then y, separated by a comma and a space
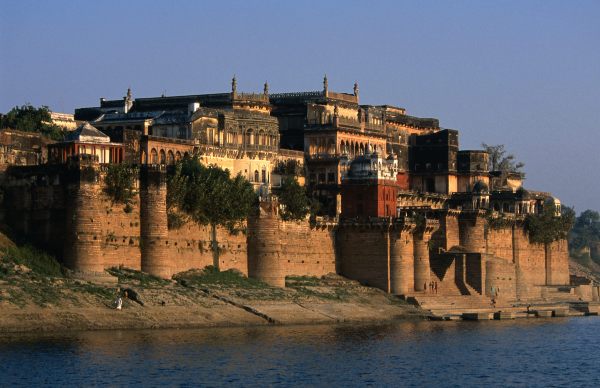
559, 293
456, 304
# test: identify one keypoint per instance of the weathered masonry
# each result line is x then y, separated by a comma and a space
65, 210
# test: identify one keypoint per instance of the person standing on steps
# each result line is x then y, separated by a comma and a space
435, 287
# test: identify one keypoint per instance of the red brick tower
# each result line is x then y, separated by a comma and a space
371, 187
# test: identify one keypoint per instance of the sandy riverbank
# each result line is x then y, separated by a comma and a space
37, 319
33, 303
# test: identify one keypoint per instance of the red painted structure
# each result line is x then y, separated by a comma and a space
369, 198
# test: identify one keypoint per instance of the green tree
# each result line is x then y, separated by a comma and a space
292, 196
30, 119
119, 184
289, 167
177, 186
547, 227
499, 160
209, 196
586, 231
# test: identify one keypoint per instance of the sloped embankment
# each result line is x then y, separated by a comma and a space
37, 294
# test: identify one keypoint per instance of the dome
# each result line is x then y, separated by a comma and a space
361, 167
555, 203
552, 201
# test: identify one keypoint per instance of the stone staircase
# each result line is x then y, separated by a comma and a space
445, 287
588, 308
559, 294
456, 304
477, 307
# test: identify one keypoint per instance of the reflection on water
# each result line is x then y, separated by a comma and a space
499, 353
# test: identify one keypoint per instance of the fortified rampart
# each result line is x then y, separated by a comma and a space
458, 251
65, 210
277, 249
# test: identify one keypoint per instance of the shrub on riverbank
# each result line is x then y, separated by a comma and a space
211, 275
127, 275
27, 258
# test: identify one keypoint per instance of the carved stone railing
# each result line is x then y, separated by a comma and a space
373, 127
297, 95
343, 97
291, 153
346, 122
257, 147
261, 97
322, 156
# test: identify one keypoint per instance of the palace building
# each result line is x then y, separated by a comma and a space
402, 206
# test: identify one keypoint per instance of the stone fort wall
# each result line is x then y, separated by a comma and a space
277, 249
465, 256
66, 211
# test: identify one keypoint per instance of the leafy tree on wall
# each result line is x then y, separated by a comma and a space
289, 167
209, 196
547, 227
292, 196
120, 184
177, 186
499, 160
30, 119
585, 235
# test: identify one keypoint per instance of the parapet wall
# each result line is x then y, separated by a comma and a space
65, 210
459, 253
277, 249
364, 254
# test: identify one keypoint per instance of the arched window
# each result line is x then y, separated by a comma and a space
330, 147
177, 156
256, 177
163, 157
264, 176
249, 140
153, 156
170, 157
260, 138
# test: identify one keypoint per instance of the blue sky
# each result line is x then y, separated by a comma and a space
522, 73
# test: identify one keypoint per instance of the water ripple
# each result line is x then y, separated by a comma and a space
528, 353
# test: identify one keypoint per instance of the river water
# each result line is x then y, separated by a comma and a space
533, 352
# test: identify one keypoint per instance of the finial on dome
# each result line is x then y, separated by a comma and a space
266, 88
234, 85
325, 84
